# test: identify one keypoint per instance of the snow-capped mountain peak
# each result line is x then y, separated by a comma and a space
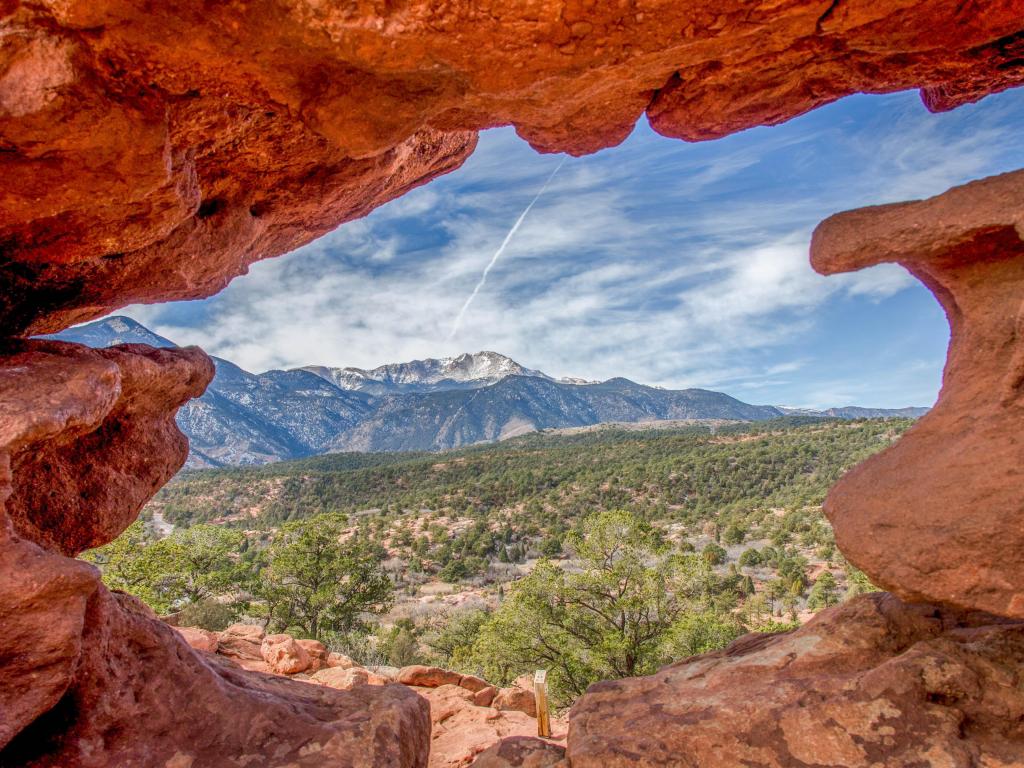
465, 371
117, 329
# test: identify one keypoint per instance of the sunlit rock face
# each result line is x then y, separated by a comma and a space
151, 151
938, 517
873, 682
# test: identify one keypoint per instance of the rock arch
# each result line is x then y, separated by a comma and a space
151, 151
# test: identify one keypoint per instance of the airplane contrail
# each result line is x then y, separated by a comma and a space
501, 250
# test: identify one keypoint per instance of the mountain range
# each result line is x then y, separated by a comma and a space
433, 404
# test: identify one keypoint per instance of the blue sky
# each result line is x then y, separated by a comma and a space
669, 263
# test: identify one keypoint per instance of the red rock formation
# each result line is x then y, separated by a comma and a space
91, 678
462, 730
284, 655
871, 682
521, 752
139, 696
242, 642
90, 435
139, 169
427, 677
200, 639
463, 723
937, 517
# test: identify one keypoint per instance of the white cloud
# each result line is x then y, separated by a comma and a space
672, 264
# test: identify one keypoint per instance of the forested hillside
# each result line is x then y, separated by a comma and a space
684, 474
485, 559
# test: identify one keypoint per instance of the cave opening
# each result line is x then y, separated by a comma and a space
137, 170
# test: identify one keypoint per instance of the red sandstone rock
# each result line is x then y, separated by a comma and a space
95, 429
284, 655
462, 730
522, 752
870, 682
150, 700
43, 608
141, 169
485, 696
200, 639
339, 660
517, 698
427, 677
242, 641
347, 679
473, 683
937, 517
317, 652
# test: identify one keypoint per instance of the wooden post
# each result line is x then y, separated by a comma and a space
540, 697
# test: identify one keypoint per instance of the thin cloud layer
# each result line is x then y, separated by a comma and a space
673, 264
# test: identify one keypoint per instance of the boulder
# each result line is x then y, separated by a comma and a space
874, 681
339, 660
284, 655
472, 683
317, 653
200, 639
522, 752
87, 436
427, 677
242, 641
485, 696
346, 679
462, 730
516, 699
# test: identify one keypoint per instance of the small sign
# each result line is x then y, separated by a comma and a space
540, 696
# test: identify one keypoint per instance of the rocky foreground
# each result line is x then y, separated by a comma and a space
874, 681
472, 722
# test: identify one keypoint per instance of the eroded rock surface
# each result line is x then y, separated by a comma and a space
462, 730
463, 724
938, 516
93, 679
522, 752
139, 696
871, 682
138, 168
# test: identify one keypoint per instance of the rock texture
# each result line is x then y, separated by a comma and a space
93, 679
139, 696
284, 655
427, 677
139, 169
89, 435
871, 682
462, 730
522, 752
463, 724
938, 517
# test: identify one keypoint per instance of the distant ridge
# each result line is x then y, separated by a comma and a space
432, 404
